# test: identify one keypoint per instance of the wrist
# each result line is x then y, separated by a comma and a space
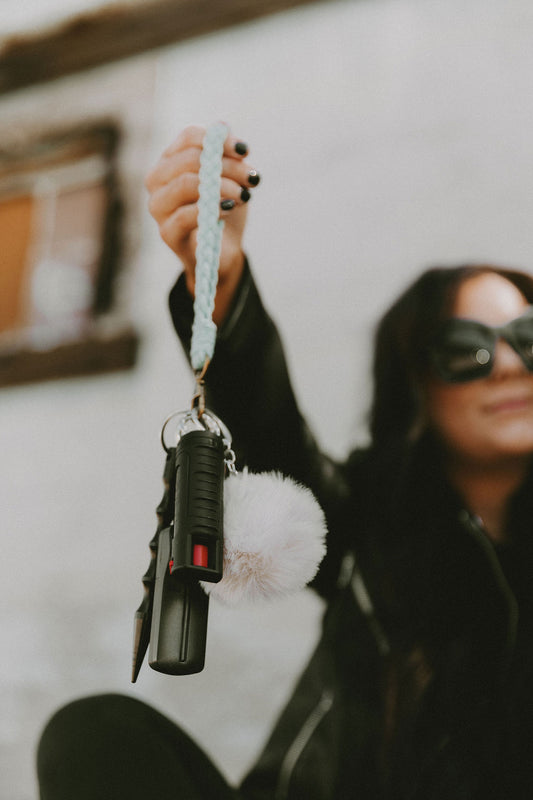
228, 281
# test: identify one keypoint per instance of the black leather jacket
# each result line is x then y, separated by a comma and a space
419, 685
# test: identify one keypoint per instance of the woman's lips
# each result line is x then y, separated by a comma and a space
511, 403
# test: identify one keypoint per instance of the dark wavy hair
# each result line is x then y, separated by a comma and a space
400, 363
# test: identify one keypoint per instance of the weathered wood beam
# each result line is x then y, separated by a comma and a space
101, 37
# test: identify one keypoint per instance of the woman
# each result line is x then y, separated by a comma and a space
420, 686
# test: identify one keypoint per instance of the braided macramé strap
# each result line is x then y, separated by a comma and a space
210, 229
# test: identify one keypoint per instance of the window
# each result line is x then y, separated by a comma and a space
60, 214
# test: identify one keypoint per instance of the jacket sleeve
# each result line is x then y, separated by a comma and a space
248, 387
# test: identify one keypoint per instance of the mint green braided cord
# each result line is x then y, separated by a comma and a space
210, 229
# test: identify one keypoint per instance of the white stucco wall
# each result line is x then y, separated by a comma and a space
390, 134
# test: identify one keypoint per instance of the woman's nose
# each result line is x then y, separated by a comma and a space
506, 360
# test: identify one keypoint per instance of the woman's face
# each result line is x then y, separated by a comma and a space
491, 418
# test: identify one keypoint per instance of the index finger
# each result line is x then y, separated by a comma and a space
193, 136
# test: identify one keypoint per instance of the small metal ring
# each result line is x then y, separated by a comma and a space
230, 461
165, 423
206, 421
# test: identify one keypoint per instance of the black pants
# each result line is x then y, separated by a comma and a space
117, 748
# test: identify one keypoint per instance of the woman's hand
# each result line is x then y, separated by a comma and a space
173, 188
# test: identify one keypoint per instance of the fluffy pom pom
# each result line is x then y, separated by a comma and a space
274, 538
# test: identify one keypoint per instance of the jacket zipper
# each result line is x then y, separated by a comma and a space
366, 606
300, 741
475, 528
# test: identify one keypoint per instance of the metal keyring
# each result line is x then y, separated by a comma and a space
192, 420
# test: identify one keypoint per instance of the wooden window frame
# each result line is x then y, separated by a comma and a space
100, 347
114, 33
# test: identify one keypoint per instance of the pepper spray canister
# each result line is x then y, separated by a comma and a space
189, 550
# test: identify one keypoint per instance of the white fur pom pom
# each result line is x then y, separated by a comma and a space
274, 538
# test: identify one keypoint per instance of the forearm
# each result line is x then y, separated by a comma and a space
247, 383
248, 386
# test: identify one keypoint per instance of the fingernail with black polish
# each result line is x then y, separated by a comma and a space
253, 178
227, 205
241, 148
245, 195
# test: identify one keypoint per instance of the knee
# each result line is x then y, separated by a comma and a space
84, 732
86, 718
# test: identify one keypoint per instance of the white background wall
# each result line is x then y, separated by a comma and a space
390, 135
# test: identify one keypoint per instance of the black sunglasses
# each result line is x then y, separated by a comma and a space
463, 349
